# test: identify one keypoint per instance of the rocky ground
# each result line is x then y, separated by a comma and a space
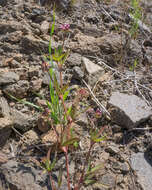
101, 58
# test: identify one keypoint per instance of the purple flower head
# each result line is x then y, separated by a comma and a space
65, 27
98, 113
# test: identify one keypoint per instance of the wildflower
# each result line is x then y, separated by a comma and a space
65, 27
98, 113
83, 92
46, 112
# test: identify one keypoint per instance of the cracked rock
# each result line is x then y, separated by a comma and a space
8, 78
128, 111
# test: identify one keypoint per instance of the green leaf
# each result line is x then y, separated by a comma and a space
60, 177
90, 181
96, 168
57, 57
69, 110
26, 102
53, 164
65, 95
53, 25
70, 142
99, 139
65, 57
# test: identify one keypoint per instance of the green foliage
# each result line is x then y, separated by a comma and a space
136, 15
132, 67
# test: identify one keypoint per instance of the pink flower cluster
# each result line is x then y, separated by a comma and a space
65, 27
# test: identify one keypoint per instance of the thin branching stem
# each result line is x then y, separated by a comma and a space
67, 168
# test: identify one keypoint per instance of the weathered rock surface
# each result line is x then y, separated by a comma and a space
8, 78
143, 170
5, 130
74, 59
5, 121
78, 73
110, 43
18, 176
128, 110
45, 26
94, 70
18, 90
4, 108
30, 44
23, 121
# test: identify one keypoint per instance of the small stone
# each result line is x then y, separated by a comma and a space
41, 102
51, 136
45, 26
108, 180
43, 124
23, 121
74, 59
35, 85
14, 64
8, 78
4, 108
3, 158
104, 156
5, 130
31, 136
78, 73
82, 120
33, 72
128, 111
116, 166
143, 170
94, 71
91, 67
125, 168
116, 128
120, 179
112, 149
18, 89
150, 93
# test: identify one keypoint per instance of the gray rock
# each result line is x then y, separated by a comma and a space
45, 26
23, 121
10, 26
35, 85
82, 120
125, 168
33, 72
20, 176
143, 170
8, 78
4, 108
108, 180
5, 130
30, 44
78, 73
128, 110
74, 59
94, 70
18, 89
112, 149
14, 64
